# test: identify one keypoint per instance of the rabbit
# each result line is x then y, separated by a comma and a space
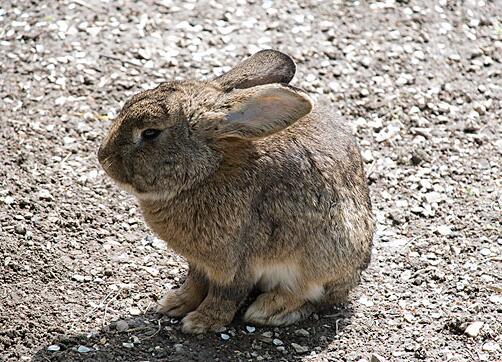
254, 187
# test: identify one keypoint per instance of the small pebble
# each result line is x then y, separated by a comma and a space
485, 252
83, 349
53, 348
377, 358
302, 332
365, 61
45, 195
443, 107
299, 349
408, 317
495, 299
134, 311
473, 329
365, 301
20, 229
277, 342
250, 329
79, 278
367, 156
121, 326
128, 344
490, 346
225, 337
444, 230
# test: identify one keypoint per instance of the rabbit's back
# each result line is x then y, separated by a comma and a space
314, 199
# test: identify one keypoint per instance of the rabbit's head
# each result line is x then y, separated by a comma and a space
169, 138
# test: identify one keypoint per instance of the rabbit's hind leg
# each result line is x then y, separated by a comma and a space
337, 291
279, 306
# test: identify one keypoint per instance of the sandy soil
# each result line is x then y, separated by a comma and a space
418, 81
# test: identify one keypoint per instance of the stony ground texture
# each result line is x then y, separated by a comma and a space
418, 81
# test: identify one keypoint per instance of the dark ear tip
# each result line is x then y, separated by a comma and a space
275, 54
264, 67
281, 59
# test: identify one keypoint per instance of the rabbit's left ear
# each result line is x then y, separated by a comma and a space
265, 67
261, 111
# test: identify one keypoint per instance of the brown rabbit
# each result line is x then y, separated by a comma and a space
252, 188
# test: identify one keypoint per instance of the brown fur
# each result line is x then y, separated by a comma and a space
251, 189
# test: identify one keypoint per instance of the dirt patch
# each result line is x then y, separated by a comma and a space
418, 81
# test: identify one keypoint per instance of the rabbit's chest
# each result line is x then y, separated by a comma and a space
193, 232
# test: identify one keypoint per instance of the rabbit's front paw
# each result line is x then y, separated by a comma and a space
200, 322
178, 303
277, 308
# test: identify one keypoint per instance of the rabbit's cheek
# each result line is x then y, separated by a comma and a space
141, 181
150, 180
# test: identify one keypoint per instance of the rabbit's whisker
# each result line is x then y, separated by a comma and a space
108, 162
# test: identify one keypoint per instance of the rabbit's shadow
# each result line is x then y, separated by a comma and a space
153, 337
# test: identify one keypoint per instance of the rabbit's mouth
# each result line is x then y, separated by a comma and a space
155, 196
126, 187
139, 193
144, 195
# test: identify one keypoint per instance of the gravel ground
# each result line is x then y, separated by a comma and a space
418, 81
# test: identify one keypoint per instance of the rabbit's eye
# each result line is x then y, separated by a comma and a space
150, 134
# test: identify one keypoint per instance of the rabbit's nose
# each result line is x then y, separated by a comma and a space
101, 153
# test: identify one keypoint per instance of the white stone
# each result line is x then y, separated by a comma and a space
444, 230
473, 329
365, 301
134, 311
490, 346
83, 349
277, 342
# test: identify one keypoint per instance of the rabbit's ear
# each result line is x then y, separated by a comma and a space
261, 111
265, 67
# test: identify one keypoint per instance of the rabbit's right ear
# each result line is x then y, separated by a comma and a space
265, 67
259, 111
